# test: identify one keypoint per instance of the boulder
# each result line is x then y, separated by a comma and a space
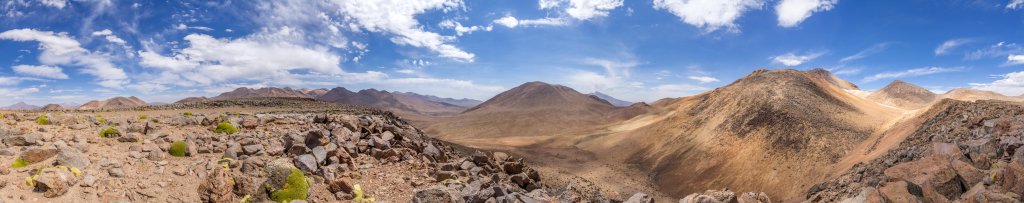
640, 198
901, 192
38, 154
306, 163
752, 197
55, 181
935, 174
26, 139
69, 156
218, 187
435, 195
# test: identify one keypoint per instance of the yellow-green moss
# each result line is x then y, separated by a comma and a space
187, 113
42, 120
143, 117
358, 196
19, 163
108, 132
178, 149
296, 187
225, 127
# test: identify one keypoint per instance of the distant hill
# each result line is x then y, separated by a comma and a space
904, 95
458, 102
20, 106
53, 107
611, 99
533, 108
112, 103
192, 99
245, 92
401, 103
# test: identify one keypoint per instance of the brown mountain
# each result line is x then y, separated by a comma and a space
903, 95
967, 94
459, 102
53, 107
245, 92
192, 99
113, 103
532, 109
399, 103
776, 131
20, 106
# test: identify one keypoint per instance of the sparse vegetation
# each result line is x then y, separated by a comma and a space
143, 117
19, 163
178, 149
187, 113
225, 127
358, 196
42, 120
109, 132
296, 187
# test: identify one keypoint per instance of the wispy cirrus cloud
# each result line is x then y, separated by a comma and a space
874, 49
911, 73
950, 45
793, 59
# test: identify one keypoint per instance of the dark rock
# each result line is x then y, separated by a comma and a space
306, 163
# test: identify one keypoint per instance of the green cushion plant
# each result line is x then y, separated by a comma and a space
42, 120
178, 149
225, 127
109, 132
19, 163
296, 187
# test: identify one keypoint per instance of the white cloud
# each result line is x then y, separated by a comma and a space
709, 15
911, 73
461, 30
1015, 4
1015, 60
507, 21
60, 49
109, 35
397, 18
12, 92
675, 90
704, 79
582, 9
874, 49
1011, 84
41, 71
182, 26
791, 59
998, 50
792, 12
208, 60
59, 4
949, 45
512, 22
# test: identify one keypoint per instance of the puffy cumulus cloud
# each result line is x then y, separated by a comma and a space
709, 15
52, 72
397, 18
1011, 84
950, 45
911, 73
792, 59
582, 9
1015, 60
60, 49
792, 12
208, 60
704, 79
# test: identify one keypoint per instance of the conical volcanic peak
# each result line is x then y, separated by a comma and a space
904, 95
533, 95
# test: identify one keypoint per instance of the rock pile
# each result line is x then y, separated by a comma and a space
965, 152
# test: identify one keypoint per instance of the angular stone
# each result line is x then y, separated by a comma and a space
55, 181
252, 149
640, 198
752, 197
38, 154
387, 136
434, 195
72, 157
26, 139
319, 153
116, 172
306, 163
218, 187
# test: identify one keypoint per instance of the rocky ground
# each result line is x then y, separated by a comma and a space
964, 152
300, 150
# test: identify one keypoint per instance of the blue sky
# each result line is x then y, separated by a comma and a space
54, 51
